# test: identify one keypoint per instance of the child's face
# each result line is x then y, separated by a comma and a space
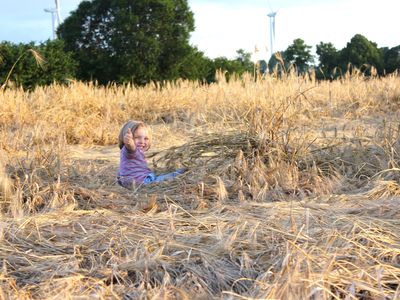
141, 138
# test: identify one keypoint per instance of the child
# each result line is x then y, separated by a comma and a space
134, 139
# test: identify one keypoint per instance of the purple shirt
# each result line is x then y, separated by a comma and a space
132, 167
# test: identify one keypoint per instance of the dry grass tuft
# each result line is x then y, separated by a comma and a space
6, 191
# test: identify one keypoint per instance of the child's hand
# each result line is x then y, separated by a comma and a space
128, 141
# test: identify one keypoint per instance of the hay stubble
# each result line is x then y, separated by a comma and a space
292, 191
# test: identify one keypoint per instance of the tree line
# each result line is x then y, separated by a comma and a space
359, 53
138, 41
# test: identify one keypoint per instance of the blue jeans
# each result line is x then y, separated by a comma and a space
153, 178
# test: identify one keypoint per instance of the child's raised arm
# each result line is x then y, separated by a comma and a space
129, 142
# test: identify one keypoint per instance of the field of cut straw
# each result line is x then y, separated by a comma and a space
292, 191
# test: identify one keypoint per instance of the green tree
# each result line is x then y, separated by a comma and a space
240, 64
277, 63
59, 66
196, 66
18, 65
300, 55
221, 64
244, 61
129, 40
391, 59
29, 65
361, 53
328, 58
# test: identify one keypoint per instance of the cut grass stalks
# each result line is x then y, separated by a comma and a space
292, 192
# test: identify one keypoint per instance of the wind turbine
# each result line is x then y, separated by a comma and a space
55, 17
271, 16
58, 12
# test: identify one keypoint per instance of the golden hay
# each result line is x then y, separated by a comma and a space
292, 191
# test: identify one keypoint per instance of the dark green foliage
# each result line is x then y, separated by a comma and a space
299, 54
29, 65
391, 59
328, 59
241, 64
18, 67
129, 40
362, 54
59, 66
359, 53
244, 62
196, 66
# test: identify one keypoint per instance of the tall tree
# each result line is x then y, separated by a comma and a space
328, 58
299, 54
361, 53
129, 40
391, 59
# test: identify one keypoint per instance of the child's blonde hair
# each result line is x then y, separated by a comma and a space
133, 125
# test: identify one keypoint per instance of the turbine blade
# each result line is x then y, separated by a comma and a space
270, 7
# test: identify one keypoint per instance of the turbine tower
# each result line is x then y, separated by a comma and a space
53, 21
58, 12
55, 17
271, 16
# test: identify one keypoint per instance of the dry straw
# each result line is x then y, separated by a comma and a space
292, 191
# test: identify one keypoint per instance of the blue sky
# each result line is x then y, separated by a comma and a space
224, 26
